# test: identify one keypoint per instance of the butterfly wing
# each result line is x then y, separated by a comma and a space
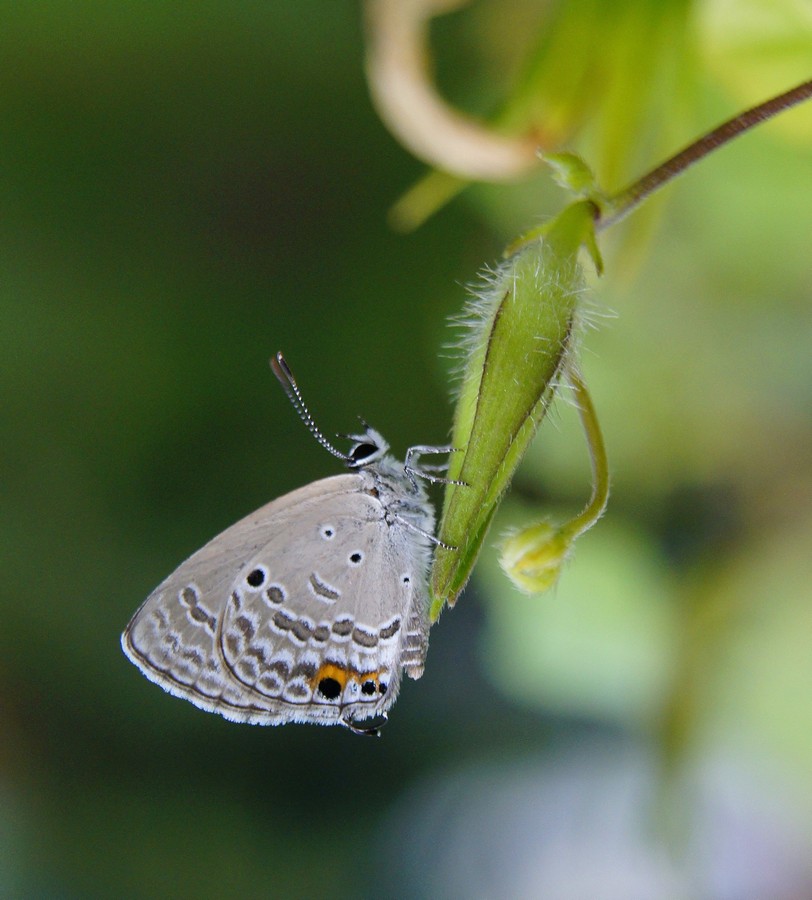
307, 610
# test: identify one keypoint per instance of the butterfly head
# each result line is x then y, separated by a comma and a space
366, 448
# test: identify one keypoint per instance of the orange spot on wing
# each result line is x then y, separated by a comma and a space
331, 670
344, 675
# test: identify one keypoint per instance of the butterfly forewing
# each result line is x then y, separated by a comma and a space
307, 610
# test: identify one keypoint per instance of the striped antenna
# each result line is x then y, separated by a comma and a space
288, 382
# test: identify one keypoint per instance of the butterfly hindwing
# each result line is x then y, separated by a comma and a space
307, 610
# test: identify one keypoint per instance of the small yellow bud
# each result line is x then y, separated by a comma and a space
533, 557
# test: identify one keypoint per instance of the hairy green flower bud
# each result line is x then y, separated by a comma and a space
521, 332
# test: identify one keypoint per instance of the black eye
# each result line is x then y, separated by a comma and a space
255, 578
355, 558
363, 451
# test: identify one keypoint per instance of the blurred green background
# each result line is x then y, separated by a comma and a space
187, 188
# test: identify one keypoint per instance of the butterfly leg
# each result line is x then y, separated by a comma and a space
426, 534
414, 470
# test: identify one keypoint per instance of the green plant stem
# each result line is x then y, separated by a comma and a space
597, 455
622, 203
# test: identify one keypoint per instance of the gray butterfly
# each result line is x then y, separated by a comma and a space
311, 608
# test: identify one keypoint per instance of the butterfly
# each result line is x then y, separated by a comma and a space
310, 609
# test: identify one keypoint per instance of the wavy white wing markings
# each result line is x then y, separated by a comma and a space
172, 637
306, 610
